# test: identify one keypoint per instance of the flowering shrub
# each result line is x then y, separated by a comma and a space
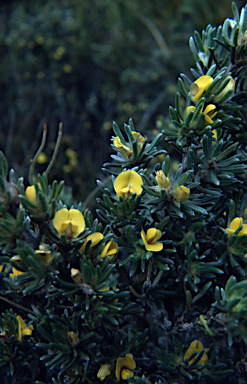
150, 288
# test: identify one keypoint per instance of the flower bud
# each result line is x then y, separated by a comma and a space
182, 193
162, 180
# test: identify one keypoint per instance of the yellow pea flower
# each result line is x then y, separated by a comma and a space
150, 240
23, 329
182, 193
125, 366
196, 347
15, 273
199, 87
139, 139
104, 371
209, 113
71, 222
235, 224
162, 181
95, 238
31, 194
189, 109
125, 151
44, 253
111, 250
127, 183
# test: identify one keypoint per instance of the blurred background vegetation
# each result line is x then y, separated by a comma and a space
86, 63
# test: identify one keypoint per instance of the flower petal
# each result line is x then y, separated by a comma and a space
95, 238
153, 235
78, 221
200, 86
156, 247
60, 217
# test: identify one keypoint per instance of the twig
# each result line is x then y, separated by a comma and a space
15, 304
33, 161
58, 142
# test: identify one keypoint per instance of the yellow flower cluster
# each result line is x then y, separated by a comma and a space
124, 367
126, 150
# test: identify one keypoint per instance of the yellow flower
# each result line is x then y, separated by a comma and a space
15, 273
125, 151
150, 241
124, 367
235, 224
104, 371
44, 253
127, 183
111, 250
200, 86
71, 222
182, 193
209, 113
189, 109
23, 329
31, 194
139, 139
196, 347
162, 180
95, 238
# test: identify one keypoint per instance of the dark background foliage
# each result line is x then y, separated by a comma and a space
86, 63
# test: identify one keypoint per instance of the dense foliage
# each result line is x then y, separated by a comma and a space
153, 290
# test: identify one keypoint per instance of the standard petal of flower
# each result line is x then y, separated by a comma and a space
60, 217
144, 239
95, 238
136, 182
153, 235
104, 371
195, 347
77, 220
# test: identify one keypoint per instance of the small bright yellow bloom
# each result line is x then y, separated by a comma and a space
139, 140
125, 151
71, 222
150, 241
104, 371
182, 193
95, 238
235, 224
127, 183
23, 329
15, 273
111, 250
44, 253
31, 194
162, 180
124, 367
200, 86
209, 113
196, 347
